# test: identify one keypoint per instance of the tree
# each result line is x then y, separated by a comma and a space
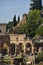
36, 4
18, 18
22, 29
41, 20
34, 20
9, 25
14, 20
39, 58
39, 31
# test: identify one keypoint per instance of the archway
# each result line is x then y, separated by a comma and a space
38, 47
28, 48
20, 48
5, 49
12, 48
4, 52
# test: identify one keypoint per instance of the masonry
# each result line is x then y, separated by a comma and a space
11, 43
3, 28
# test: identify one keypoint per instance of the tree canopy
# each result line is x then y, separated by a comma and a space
14, 20
34, 20
32, 23
39, 31
36, 4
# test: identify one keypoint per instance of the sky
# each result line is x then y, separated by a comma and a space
8, 8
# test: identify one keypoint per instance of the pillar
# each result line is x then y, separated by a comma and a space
33, 49
8, 50
40, 49
16, 49
24, 49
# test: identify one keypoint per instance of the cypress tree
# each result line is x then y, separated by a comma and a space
14, 20
18, 18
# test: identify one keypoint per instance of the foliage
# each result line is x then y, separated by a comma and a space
34, 20
14, 20
42, 20
40, 57
36, 4
22, 29
39, 31
18, 18
32, 23
9, 25
6, 59
12, 23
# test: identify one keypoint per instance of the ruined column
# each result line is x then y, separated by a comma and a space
24, 49
40, 49
33, 49
8, 50
15, 49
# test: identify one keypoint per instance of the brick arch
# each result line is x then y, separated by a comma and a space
28, 48
30, 42
12, 43
12, 48
32, 45
5, 49
20, 43
5, 45
20, 47
28, 45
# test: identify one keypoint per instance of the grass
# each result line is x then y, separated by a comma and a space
38, 64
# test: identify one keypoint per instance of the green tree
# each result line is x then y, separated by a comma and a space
39, 31
41, 20
14, 20
18, 18
39, 58
36, 4
34, 20
22, 29
9, 25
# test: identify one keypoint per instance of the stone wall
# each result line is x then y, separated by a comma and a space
15, 42
2, 28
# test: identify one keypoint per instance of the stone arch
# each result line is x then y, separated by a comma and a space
12, 48
39, 47
5, 49
28, 48
20, 48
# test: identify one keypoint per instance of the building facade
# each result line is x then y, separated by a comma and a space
15, 44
